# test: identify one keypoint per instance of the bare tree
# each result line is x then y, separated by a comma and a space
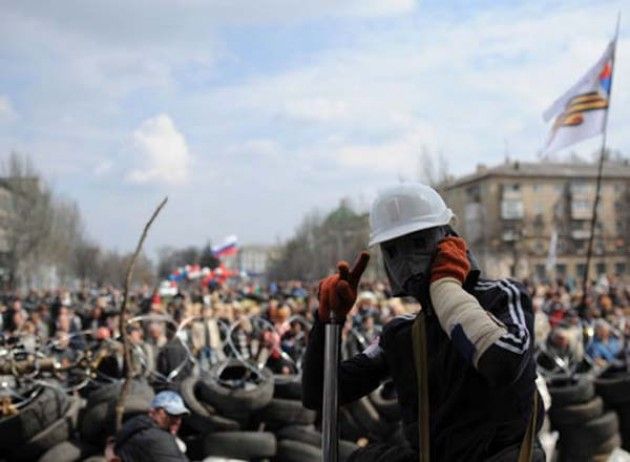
27, 216
433, 170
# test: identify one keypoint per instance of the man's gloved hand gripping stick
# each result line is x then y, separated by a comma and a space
337, 294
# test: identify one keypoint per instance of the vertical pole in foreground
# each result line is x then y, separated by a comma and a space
330, 402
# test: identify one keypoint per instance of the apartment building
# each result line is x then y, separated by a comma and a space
513, 213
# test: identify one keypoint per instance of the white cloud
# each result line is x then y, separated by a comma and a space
316, 109
162, 150
6, 109
103, 167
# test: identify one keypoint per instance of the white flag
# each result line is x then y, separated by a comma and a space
581, 112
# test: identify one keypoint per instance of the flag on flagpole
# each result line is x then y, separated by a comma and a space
226, 248
581, 112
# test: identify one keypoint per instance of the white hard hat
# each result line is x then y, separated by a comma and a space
404, 209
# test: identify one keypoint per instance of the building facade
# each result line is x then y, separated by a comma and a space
534, 219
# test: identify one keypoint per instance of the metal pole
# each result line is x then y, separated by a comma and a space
330, 440
600, 168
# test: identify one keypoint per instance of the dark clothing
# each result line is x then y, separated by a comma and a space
141, 440
474, 414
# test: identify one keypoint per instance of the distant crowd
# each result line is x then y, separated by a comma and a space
271, 321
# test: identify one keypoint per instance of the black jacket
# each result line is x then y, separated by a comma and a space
474, 413
141, 440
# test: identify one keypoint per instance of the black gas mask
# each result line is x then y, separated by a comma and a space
408, 259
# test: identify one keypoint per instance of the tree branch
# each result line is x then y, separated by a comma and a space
120, 404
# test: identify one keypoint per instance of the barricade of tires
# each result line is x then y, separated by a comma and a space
47, 420
614, 388
588, 431
230, 405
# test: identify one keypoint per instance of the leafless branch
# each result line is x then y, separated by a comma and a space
120, 405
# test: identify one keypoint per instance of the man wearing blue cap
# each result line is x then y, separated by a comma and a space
151, 437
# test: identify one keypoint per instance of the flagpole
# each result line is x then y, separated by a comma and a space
600, 168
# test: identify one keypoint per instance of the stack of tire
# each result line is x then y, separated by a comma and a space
614, 388
96, 421
588, 432
227, 422
49, 419
222, 422
374, 418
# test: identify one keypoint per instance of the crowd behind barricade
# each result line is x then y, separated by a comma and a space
575, 328
176, 339
565, 324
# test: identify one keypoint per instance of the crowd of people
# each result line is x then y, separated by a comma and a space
566, 324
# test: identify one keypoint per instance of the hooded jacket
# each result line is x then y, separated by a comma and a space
141, 440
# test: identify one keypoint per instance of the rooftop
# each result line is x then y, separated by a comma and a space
544, 169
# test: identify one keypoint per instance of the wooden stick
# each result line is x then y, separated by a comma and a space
120, 404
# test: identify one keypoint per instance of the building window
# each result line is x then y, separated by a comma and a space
581, 209
561, 269
541, 272
600, 268
580, 269
620, 269
511, 209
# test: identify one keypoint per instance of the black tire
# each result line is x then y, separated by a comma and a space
571, 391
111, 391
287, 386
92, 424
202, 418
586, 437
307, 434
575, 414
296, 451
281, 412
235, 402
56, 454
368, 418
614, 388
56, 433
47, 407
623, 412
385, 401
599, 453
99, 421
240, 445
67, 451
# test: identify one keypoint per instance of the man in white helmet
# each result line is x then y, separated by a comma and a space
481, 373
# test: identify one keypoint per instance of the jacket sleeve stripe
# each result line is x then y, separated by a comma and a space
516, 342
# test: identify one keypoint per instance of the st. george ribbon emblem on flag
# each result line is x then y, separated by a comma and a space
581, 112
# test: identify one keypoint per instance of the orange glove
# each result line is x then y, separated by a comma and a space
451, 260
337, 293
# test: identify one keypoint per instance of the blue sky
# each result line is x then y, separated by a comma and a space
250, 114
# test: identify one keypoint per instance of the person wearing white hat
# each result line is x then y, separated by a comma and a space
467, 358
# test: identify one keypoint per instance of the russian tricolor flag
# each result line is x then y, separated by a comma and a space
227, 248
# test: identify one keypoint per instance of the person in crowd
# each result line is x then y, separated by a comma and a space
206, 337
605, 347
151, 437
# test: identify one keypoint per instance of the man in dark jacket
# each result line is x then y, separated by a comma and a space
481, 374
151, 437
